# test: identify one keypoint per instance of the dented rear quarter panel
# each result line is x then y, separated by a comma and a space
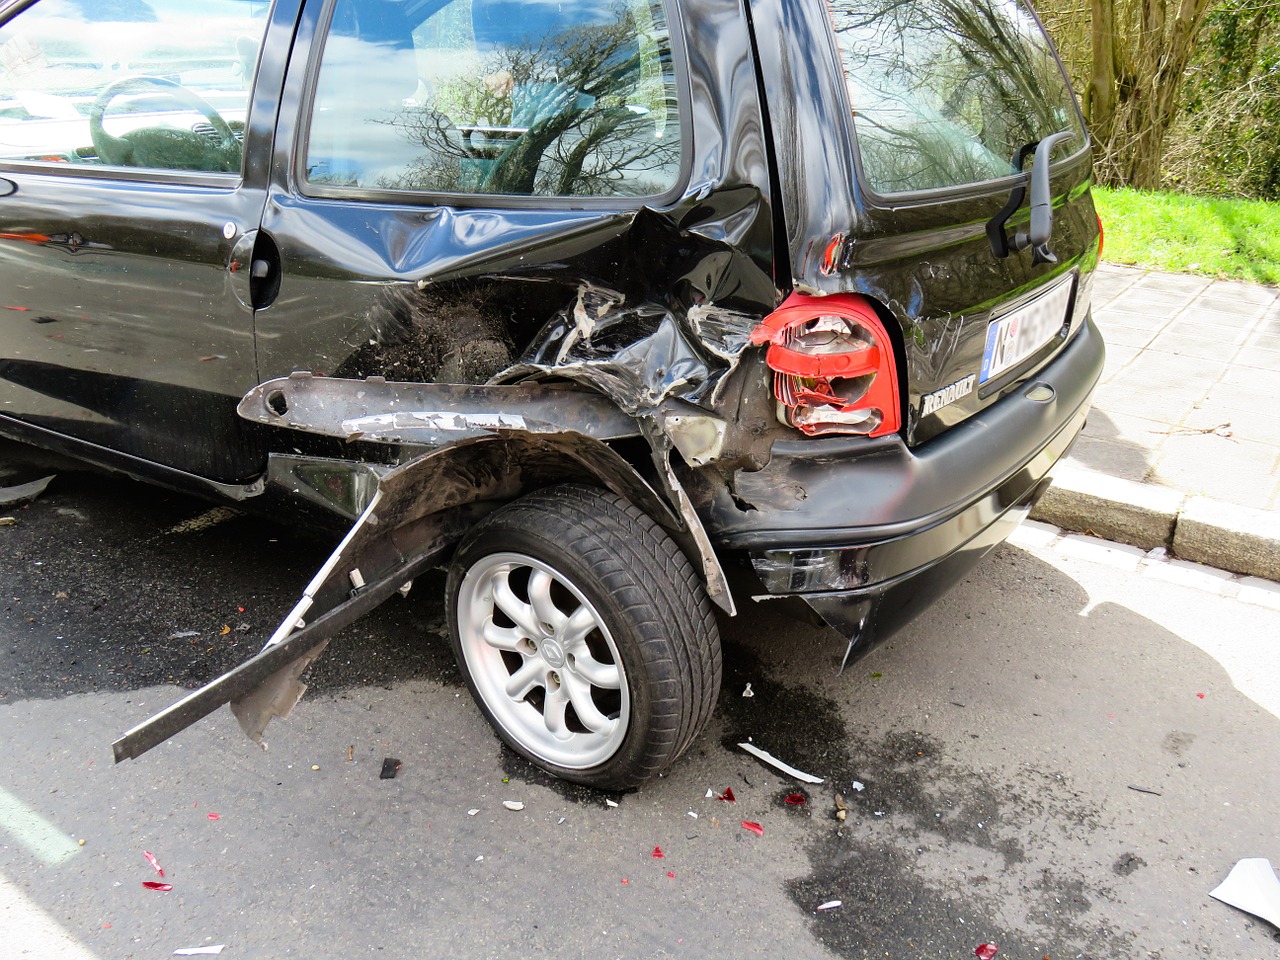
646, 300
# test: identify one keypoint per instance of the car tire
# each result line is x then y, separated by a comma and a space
585, 635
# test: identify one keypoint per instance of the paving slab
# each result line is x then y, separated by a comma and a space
1182, 448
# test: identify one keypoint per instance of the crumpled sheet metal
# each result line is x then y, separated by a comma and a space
430, 414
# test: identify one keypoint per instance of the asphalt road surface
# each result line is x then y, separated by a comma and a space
1061, 759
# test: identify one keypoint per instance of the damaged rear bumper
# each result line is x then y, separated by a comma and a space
868, 533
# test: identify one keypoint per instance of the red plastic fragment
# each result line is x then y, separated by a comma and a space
657, 853
796, 799
214, 816
154, 885
753, 827
625, 880
155, 864
985, 951
1200, 695
671, 875
728, 796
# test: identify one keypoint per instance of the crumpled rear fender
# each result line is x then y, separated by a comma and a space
419, 510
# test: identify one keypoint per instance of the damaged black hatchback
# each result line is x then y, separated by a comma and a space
589, 302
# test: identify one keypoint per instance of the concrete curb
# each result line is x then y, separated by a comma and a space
1222, 535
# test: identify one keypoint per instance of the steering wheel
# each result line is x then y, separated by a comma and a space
168, 148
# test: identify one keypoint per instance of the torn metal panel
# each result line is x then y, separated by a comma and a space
419, 510
430, 414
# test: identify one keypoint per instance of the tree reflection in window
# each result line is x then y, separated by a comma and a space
585, 108
944, 92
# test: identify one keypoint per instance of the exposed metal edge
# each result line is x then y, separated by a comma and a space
252, 673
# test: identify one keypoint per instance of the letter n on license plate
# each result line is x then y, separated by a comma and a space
1021, 332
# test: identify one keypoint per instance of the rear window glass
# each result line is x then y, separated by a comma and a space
568, 98
946, 92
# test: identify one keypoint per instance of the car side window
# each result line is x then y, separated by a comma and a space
151, 84
567, 99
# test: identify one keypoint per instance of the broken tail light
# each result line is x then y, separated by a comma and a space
833, 366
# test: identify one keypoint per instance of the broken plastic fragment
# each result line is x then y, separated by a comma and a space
200, 951
155, 864
23, 492
611, 803
728, 796
473, 811
215, 816
748, 692
831, 905
390, 767
710, 793
692, 814
1252, 886
753, 827
1200, 695
183, 634
775, 762
985, 951
155, 885
796, 799
658, 854
671, 874
858, 785
513, 804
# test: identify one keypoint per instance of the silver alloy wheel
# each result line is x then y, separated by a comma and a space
542, 660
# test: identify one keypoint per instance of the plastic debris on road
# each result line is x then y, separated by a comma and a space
1252, 886
513, 804
858, 785
831, 905
156, 885
710, 793
155, 864
200, 951
390, 767
748, 692
753, 827
775, 762
473, 811
9, 496
183, 634
657, 853
611, 803
1154, 793
728, 796
796, 800
692, 814
985, 951
214, 816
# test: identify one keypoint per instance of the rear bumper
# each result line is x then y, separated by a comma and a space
868, 533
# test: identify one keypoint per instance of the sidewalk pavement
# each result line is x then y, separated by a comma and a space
1182, 448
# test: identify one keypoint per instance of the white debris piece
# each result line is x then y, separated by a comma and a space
610, 803
748, 692
200, 951
692, 814
831, 905
710, 794
775, 762
858, 785
473, 811
513, 804
1252, 886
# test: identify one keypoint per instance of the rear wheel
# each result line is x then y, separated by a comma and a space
585, 635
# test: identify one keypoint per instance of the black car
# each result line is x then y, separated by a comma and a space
602, 305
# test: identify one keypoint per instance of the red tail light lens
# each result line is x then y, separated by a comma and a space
833, 366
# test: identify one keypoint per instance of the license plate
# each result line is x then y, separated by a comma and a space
1021, 332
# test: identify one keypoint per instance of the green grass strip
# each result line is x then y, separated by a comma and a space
1231, 239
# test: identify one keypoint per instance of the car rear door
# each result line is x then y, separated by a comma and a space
135, 143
